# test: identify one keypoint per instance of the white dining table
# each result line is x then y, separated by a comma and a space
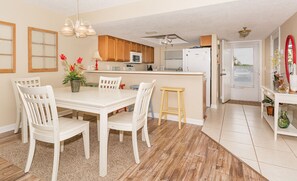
99, 101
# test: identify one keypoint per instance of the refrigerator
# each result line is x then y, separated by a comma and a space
199, 60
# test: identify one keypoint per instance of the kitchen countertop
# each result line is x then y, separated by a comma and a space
148, 72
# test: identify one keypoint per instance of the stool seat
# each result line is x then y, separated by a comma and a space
179, 110
173, 89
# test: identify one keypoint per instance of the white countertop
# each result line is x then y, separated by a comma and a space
148, 72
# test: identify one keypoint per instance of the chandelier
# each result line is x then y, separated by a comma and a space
80, 29
244, 32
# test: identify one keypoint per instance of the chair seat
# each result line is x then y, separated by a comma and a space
123, 121
68, 128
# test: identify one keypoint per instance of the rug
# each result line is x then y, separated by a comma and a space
73, 164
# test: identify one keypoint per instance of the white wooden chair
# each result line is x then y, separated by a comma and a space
28, 82
133, 121
104, 83
44, 124
109, 82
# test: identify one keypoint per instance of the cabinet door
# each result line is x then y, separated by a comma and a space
120, 50
127, 45
152, 55
143, 51
133, 47
111, 48
148, 54
139, 48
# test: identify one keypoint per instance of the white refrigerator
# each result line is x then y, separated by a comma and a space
199, 60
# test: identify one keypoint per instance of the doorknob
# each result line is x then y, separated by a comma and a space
223, 74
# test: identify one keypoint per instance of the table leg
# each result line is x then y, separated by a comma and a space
103, 145
24, 126
276, 107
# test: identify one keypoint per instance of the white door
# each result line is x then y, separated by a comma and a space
226, 69
245, 70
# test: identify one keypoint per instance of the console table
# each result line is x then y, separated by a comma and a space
273, 120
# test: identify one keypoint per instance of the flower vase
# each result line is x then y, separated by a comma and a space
75, 85
283, 120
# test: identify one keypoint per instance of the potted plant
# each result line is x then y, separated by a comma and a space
269, 105
74, 73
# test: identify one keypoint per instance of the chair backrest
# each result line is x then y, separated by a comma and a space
143, 97
109, 82
40, 106
28, 82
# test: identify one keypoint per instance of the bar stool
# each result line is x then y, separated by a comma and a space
179, 111
135, 87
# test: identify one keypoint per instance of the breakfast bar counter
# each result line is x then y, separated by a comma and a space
193, 82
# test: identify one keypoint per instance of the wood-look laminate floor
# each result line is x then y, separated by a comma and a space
8, 171
186, 154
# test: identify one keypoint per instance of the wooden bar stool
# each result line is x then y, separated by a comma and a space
179, 111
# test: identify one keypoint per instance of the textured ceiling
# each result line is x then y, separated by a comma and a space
225, 20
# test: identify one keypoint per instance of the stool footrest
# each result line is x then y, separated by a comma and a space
172, 110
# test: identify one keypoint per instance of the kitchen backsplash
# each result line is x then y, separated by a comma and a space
117, 66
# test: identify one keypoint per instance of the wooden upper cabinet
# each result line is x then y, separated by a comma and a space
149, 55
127, 45
107, 48
133, 47
120, 45
143, 51
205, 41
138, 48
116, 49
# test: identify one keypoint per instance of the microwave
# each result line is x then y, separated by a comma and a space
135, 57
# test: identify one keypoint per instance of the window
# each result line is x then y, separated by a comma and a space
43, 50
7, 47
243, 69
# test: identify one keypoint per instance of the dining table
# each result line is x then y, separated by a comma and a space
98, 101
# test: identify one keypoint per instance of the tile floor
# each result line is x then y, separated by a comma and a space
240, 129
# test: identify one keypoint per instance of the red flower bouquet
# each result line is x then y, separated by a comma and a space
73, 71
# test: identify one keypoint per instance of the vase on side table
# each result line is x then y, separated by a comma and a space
283, 120
75, 85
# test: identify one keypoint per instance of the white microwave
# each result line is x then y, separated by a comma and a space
135, 57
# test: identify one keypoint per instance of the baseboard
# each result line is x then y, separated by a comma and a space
7, 128
189, 120
214, 106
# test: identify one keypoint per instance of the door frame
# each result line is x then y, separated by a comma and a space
260, 42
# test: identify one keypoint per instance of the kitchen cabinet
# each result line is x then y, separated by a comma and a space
139, 48
133, 47
205, 41
127, 45
120, 50
116, 49
107, 48
149, 55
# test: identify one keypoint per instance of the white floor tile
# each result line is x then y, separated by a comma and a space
235, 121
252, 163
235, 128
213, 133
270, 143
236, 137
275, 157
275, 173
292, 143
240, 150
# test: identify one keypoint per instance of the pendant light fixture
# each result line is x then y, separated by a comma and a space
244, 32
80, 28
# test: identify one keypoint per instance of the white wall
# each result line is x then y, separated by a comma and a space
23, 15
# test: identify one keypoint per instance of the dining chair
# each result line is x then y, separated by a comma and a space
28, 82
44, 124
104, 83
133, 121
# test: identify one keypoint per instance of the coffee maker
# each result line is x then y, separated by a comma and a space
149, 67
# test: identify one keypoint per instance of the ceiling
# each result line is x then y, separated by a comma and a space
225, 20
